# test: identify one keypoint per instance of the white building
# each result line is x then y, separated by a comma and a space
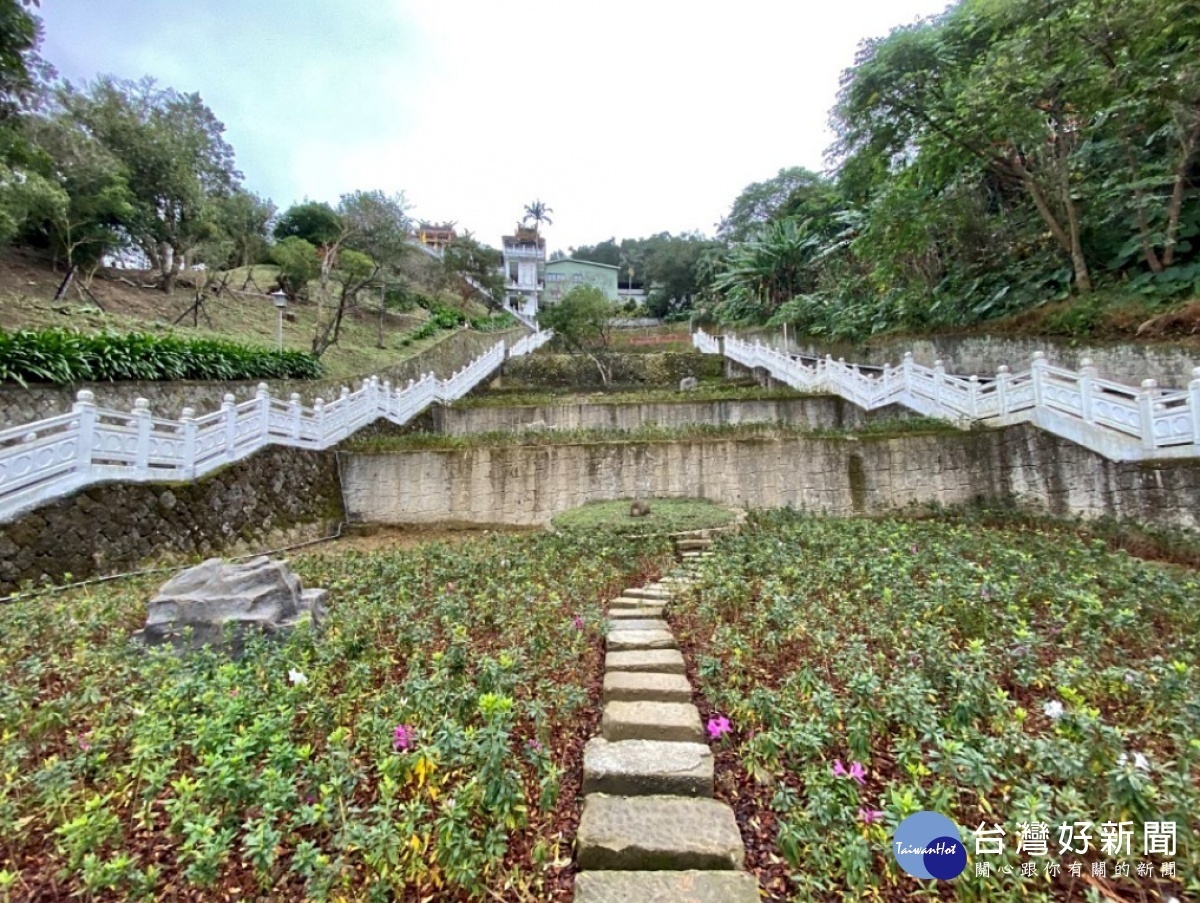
524, 270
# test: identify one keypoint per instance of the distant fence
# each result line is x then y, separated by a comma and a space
1120, 422
56, 456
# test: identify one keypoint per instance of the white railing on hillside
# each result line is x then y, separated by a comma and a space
56, 456
1117, 421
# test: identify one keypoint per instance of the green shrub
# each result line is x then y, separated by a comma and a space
63, 356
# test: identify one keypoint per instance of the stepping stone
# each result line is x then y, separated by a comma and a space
630, 614
668, 721
641, 624
619, 640
629, 602
692, 545
642, 592
645, 767
641, 686
651, 833
666, 887
654, 661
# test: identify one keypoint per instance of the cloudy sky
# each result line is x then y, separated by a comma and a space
627, 118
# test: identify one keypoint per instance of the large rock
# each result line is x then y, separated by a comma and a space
666, 887
643, 686
620, 640
662, 661
217, 603
651, 833
669, 721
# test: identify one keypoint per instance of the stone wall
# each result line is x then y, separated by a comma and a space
530, 484
629, 369
1169, 363
816, 411
167, 399
276, 497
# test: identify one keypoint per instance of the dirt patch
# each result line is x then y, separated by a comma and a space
1182, 322
378, 538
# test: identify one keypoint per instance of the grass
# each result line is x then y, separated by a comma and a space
249, 319
666, 516
996, 670
422, 441
706, 392
135, 775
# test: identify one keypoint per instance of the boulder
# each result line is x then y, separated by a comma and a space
216, 603
689, 384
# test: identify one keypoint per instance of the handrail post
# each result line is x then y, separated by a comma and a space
1145, 400
187, 419
344, 414
85, 411
1087, 372
229, 409
1002, 378
973, 398
319, 417
1194, 404
907, 366
141, 461
1036, 375
263, 395
939, 371
294, 413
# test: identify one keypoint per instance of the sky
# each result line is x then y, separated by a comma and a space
625, 118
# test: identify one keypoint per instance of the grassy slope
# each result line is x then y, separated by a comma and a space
27, 285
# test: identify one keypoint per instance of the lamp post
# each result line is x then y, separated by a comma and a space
280, 299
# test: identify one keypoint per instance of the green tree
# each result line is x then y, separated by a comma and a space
316, 222
299, 264
794, 191
582, 322
474, 267
20, 65
175, 158
244, 219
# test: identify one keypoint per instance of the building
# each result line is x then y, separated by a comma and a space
436, 236
524, 270
563, 275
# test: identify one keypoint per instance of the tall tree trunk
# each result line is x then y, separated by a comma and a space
1139, 203
1176, 206
1068, 242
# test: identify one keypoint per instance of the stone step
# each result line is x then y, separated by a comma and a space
631, 602
694, 544
667, 721
632, 614
642, 592
652, 833
635, 686
640, 624
623, 640
695, 556
654, 661
645, 767
666, 887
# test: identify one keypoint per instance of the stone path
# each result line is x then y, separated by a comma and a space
650, 829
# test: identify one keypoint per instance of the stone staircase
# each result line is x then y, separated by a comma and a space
650, 829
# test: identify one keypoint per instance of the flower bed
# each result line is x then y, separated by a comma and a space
1000, 675
426, 745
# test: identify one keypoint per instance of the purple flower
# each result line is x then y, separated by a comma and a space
839, 770
718, 727
534, 746
83, 743
404, 737
869, 815
857, 772
578, 622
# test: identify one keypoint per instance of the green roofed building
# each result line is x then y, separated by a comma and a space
564, 275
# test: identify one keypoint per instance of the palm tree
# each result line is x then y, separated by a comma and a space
537, 211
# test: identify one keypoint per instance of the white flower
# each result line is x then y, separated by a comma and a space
1053, 709
296, 678
1140, 762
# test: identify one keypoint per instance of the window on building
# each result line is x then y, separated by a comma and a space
577, 277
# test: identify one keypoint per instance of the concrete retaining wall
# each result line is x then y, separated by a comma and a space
817, 411
530, 484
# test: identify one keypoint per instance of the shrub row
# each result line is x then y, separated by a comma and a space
64, 356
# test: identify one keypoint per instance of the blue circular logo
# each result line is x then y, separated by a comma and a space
928, 845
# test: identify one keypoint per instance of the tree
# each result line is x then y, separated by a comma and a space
474, 266
175, 160
794, 191
20, 36
244, 219
537, 213
582, 321
316, 222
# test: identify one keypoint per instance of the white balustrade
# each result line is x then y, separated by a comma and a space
1121, 422
54, 457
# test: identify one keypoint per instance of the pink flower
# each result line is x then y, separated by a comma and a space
858, 772
534, 746
839, 770
869, 815
404, 737
83, 743
578, 622
718, 727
